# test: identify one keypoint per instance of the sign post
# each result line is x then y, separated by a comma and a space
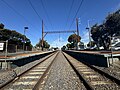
1, 46
6, 54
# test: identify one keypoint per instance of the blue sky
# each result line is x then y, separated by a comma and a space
55, 13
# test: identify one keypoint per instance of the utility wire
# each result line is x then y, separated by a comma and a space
19, 15
76, 13
15, 10
36, 11
46, 13
32, 35
69, 13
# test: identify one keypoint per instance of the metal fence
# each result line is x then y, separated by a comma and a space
12, 48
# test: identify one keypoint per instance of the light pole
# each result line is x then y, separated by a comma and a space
111, 48
42, 34
89, 32
24, 38
77, 29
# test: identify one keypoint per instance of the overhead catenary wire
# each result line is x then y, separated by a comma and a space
76, 13
32, 35
46, 14
16, 12
69, 12
36, 12
34, 9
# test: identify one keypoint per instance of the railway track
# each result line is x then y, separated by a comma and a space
62, 76
30, 79
60, 71
93, 78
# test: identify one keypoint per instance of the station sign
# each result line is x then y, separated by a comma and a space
1, 46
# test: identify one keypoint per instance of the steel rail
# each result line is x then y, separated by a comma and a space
20, 75
87, 84
101, 72
38, 85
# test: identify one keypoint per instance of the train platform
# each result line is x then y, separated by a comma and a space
99, 58
19, 59
99, 52
15, 56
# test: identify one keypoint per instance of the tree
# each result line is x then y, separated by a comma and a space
102, 34
112, 23
63, 48
74, 39
45, 44
68, 46
1, 26
92, 44
14, 37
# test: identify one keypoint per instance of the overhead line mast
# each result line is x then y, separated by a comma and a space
77, 26
42, 33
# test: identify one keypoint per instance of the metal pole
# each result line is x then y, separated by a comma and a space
24, 38
77, 26
42, 34
16, 48
24, 41
89, 32
77, 33
6, 51
111, 49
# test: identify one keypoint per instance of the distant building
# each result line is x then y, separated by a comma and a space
115, 39
80, 46
115, 43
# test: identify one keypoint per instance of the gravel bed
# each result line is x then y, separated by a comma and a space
62, 76
98, 83
112, 70
6, 76
29, 79
22, 69
99, 78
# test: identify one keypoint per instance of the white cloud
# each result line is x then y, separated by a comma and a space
59, 42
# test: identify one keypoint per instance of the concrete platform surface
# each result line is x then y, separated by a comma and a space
14, 56
98, 52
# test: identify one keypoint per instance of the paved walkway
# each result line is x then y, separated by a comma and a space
14, 55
